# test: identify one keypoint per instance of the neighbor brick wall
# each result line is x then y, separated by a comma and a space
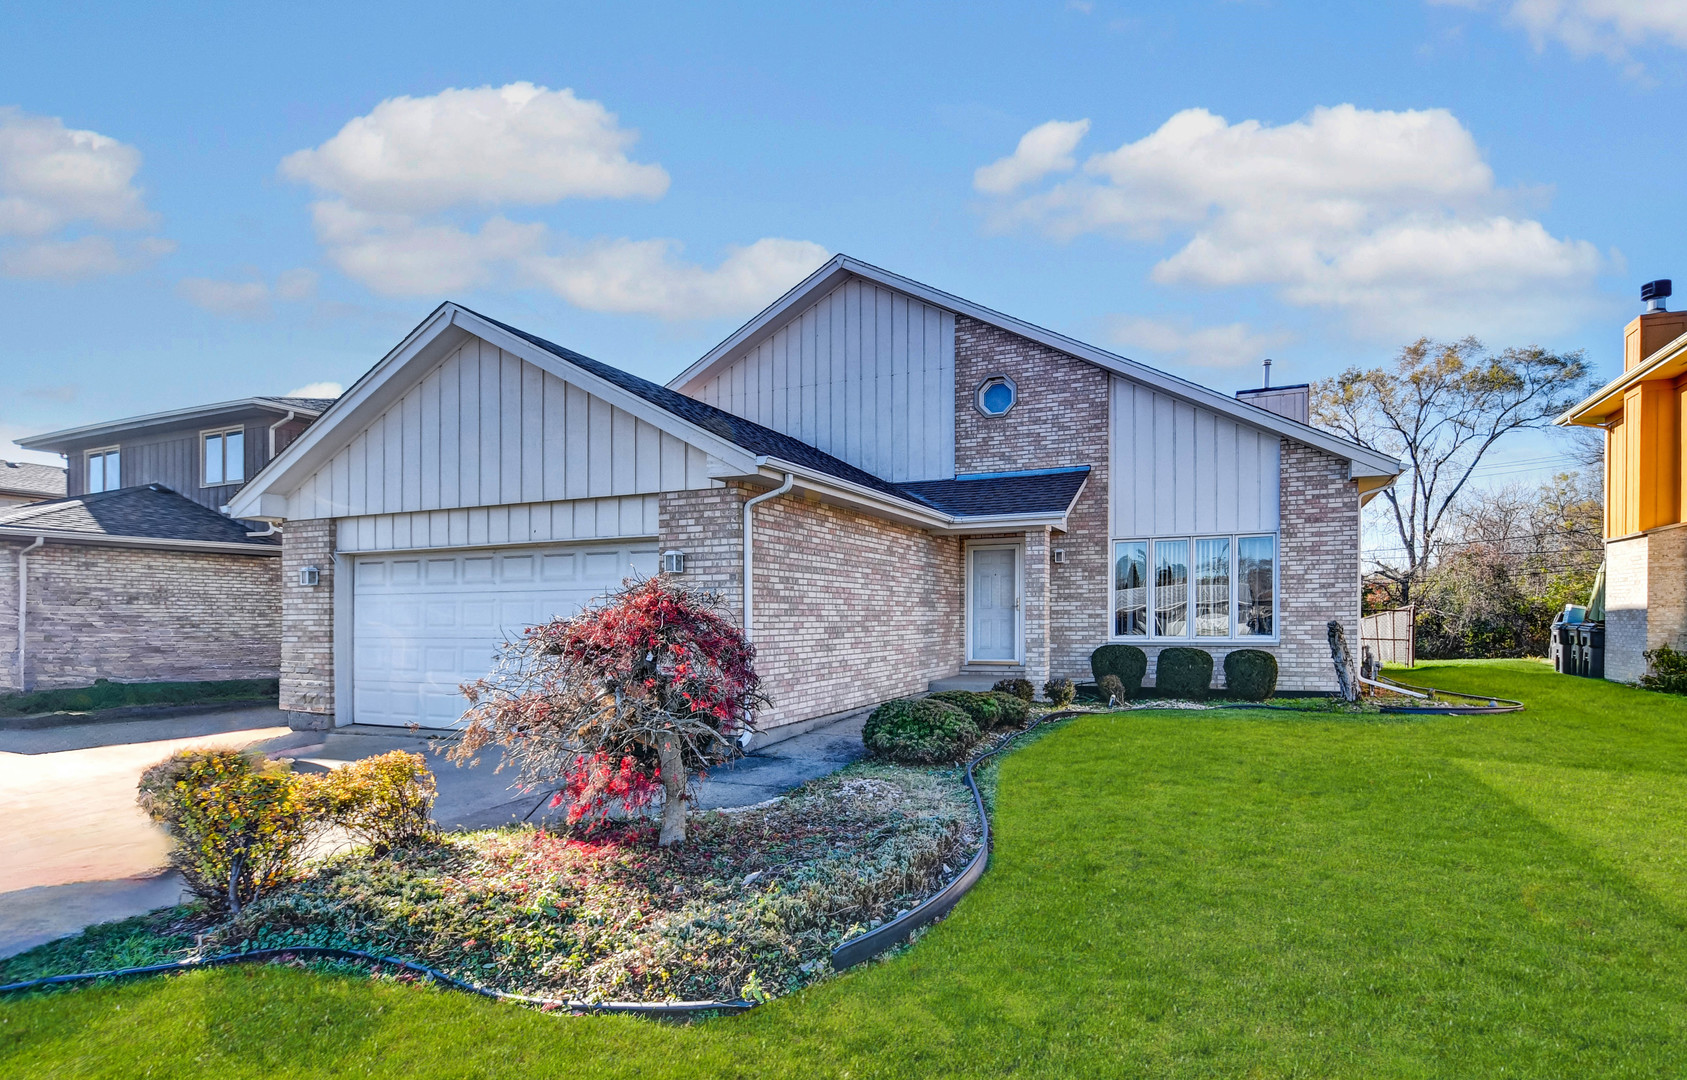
140, 615
1060, 419
850, 610
307, 621
1318, 579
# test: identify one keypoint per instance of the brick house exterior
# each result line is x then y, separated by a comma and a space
943, 494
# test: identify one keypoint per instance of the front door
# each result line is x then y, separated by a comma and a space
995, 604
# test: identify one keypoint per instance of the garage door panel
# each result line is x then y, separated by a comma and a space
422, 626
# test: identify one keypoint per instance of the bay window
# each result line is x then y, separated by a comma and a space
1195, 587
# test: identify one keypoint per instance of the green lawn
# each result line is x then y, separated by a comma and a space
1173, 894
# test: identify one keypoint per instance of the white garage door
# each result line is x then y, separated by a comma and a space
423, 624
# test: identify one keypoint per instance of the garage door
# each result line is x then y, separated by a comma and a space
423, 624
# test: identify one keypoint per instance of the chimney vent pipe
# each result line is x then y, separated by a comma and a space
1655, 293
1268, 373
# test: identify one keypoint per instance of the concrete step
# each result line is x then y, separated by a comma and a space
971, 681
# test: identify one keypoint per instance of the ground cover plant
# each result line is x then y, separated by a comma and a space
1173, 894
112, 695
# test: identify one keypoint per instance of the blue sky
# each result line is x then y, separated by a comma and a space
269, 201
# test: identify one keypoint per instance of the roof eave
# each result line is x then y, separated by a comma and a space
907, 511
133, 423
1595, 410
70, 536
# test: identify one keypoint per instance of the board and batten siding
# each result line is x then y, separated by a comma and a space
622, 517
1178, 470
486, 428
864, 373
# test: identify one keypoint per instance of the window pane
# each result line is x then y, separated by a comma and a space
998, 398
1171, 588
234, 456
1130, 588
1256, 599
96, 473
113, 478
1212, 588
213, 459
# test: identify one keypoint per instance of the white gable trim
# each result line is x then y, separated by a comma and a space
265, 497
1363, 462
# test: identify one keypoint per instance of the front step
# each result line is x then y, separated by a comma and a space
983, 680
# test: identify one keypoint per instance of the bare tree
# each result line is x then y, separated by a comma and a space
1440, 408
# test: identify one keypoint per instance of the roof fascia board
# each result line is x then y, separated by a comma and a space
1593, 410
68, 536
112, 427
1369, 461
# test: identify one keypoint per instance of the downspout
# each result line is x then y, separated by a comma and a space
23, 604
749, 548
290, 414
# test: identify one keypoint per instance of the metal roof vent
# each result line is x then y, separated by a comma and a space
1655, 293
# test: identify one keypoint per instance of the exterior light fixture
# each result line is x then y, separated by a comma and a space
309, 575
673, 562
1059, 555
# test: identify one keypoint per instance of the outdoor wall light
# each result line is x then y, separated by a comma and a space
1059, 555
673, 562
310, 575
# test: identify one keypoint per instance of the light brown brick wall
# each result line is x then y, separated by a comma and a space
1645, 598
1059, 420
849, 610
307, 618
1318, 579
140, 615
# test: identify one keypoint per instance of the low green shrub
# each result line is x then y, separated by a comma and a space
987, 708
1112, 691
105, 694
384, 801
1019, 688
1250, 674
1127, 663
919, 731
1666, 670
1060, 692
1184, 673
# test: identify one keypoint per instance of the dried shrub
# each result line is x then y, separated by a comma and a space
1019, 688
384, 801
919, 731
1060, 692
1111, 689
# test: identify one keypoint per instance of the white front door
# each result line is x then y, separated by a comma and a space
994, 593
423, 623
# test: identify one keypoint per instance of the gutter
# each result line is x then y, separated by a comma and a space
23, 606
68, 537
285, 419
749, 550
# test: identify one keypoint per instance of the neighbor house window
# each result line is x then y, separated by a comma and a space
104, 470
1195, 587
996, 395
225, 457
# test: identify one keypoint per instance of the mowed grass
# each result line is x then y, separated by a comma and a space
1243, 893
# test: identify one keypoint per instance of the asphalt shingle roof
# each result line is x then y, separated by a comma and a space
1042, 492
28, 478
315, 404
149, 511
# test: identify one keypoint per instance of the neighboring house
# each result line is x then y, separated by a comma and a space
133, 574
1645, 505
24, 482
935, 492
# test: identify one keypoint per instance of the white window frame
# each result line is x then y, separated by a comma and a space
100, 452
223, 433
1189, 637
1018, 550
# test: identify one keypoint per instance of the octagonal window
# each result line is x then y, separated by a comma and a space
996, 395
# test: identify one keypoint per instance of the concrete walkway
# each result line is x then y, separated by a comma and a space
76, 849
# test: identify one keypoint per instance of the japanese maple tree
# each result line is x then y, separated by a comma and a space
629, 697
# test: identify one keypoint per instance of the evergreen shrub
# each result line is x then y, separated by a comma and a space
1127, 663
1184, 673
919, 731
1250, 674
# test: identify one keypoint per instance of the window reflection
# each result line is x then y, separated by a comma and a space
1171, 588
1130, 589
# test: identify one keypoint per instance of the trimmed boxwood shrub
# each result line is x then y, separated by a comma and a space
919, 731
1250, 674
1019, 688
1127, 663
1060, 692
987, 708
1184, 673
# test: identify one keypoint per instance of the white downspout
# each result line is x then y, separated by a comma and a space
23, 604
290, 414
749, 547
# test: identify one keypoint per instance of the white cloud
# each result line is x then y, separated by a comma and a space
1608, 28
518, 144
1045, 149
317, 390
1229, 346
1393, 218
63, 260
247, 299
387, 178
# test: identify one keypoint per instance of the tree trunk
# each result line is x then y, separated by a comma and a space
672, 764
1345, 681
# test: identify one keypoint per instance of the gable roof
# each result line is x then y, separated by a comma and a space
305, 407
147, 512
28, 478
1364, 462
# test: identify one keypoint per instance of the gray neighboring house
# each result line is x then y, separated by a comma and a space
23, 482
133, 573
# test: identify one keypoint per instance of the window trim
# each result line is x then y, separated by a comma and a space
985, 384
1189, 637
102, 451
222, 433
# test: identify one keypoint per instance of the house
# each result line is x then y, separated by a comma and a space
133, 573
891, 485
26, 482
1645, 506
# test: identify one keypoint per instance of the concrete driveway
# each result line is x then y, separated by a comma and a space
76, 849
